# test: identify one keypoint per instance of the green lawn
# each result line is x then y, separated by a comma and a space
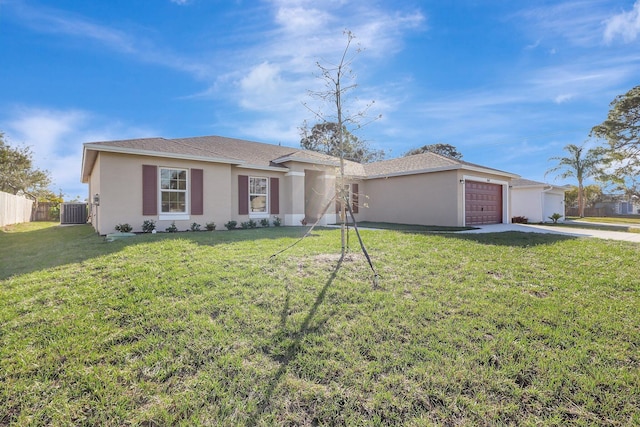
624, 224
205, 329
628, 220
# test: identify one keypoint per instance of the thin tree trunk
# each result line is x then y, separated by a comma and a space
580, 200
342, 198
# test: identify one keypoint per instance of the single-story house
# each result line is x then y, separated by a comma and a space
618, 204
218, 179
536, 201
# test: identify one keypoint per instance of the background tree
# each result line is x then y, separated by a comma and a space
579, 164
17, 173
446, 150
324, 137
621, 129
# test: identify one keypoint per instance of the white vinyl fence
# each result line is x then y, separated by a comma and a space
14, 209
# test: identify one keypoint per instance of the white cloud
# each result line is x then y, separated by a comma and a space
300, 21
56, 21
625, 25
565, 97
577, 21
260, 86
56, 137
180, 2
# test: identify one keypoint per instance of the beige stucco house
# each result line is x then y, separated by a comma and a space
217, 179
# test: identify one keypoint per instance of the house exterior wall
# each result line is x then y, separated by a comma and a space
117, 178
553, 202
435, 198
94, 189
527, 202
536, 204
425, 199
318, 192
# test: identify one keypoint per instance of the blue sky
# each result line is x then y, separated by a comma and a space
508, 83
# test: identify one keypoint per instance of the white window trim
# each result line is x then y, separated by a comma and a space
174, 216
264, 214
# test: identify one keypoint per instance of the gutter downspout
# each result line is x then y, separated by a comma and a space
545, 190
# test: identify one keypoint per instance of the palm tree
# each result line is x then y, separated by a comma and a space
579, 165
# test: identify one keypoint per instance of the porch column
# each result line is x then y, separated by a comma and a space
294, 193
329, 216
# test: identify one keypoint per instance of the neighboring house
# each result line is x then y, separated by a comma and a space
205, 179
616, 204
536, 201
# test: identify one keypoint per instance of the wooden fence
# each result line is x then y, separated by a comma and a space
589, 212
14, 209
44, 212
73, 213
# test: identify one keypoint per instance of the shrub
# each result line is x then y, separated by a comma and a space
172, 228
54, 212
277, 221
124, 228
264, 222
555, 217
248, 224
195, 227
148, 226
231, 225
210, 226
519, 220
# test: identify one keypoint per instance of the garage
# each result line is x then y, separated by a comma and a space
483, 203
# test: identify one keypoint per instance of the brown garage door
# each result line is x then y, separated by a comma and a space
483, 203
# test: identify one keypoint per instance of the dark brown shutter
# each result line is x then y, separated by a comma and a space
354, 198
274, 196
149, 190
197, 207
243, 195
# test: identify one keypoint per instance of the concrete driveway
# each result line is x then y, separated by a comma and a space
567, 231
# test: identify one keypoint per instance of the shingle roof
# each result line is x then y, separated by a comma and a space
419, 163
522, 182
257, 154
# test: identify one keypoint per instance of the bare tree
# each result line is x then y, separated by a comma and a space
339, 79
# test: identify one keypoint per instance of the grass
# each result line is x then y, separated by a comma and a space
633, 220
622, 224
205, 329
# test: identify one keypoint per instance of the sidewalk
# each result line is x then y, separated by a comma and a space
559, 229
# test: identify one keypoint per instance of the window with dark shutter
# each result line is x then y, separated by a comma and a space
274, 196
197, 202
149, 190
354, 198
243, 195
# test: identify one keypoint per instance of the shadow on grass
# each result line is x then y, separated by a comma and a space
511, 238
294, 347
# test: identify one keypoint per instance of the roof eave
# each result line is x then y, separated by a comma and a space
264, 168
443, 169
305, 160
151, 153
85, 172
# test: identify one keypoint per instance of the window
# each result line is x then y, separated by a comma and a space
173, 190
258, 190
